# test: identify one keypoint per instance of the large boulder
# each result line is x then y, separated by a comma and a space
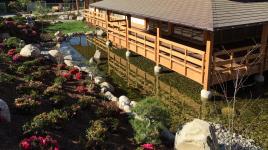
197, 134
4, 112
56, 56
30, 51
63, 17
58, 33
123, 101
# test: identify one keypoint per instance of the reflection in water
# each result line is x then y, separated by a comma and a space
182, 107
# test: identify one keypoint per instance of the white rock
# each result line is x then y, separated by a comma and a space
108, 95
91, 60
127, 108
56, 56
103, 90
4, 112
114, 99
133, 104
30, 51
193, 136
123, 100
63, 17
108, 86
98, 80
59, 39
71, 17
157, 70
97, 55
58, 33
69, 62
85, 69
100, 32
80, 18
68, 57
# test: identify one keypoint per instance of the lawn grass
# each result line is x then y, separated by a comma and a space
68, 27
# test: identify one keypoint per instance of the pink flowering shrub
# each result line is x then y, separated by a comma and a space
148, 146
81, 89
39, 142
11, 52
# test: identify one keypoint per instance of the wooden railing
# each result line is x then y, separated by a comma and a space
243, 61
183, 59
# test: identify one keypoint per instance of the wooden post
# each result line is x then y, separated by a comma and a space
127, 25
129, 20
157, 46
263, 48
94, 16
208, 60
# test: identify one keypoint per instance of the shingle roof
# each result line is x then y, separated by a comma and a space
202, 14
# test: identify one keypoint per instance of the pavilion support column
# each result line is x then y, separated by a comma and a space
128, 25
170, 28
263, 50
206, 93
157, 68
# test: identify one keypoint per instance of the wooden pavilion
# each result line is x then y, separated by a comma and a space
208, 41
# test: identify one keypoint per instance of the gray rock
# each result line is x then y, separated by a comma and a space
108, 86
4, 112
56, 56
98, 79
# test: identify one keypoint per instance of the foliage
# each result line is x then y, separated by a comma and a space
59, 80
54, 89
81, 89
46, 120
107, 109
6, 78
153, 109
26, 104
86, 101
39, 142
97, 131
12, 42
154, 117
146, 131
22, 69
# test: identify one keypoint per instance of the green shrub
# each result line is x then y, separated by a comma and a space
54, 89
154, 117
22, 69
34, 62
146, 131
153, 109
46, 120
39, 75
59, 80
107, 109
111, 123
12, 42
28, 78
97, 131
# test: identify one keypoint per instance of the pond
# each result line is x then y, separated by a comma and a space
134, 78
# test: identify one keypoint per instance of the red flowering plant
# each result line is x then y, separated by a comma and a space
66, 75
73, 71
39, 142
17, 58
11, 52
147, 146
78, 76
81, 89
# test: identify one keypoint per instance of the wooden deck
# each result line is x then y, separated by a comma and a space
197, 64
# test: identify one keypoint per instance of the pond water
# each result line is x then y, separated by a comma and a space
134, 78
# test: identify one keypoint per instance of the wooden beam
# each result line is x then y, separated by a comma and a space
127, 26
170, 29
208, 60
263, 48
129, 20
